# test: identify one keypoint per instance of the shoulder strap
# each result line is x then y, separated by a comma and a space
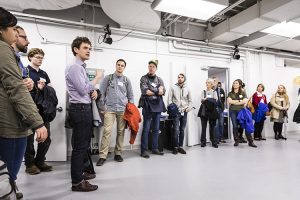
110, 80
204, 92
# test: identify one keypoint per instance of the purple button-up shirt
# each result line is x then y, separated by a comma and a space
78, 85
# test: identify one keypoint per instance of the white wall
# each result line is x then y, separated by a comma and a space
137, 52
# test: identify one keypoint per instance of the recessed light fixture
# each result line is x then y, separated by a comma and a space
198, 9
286, 29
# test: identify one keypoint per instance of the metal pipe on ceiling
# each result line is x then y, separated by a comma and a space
141, 33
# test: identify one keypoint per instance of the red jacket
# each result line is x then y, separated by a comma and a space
132, 117
256, 99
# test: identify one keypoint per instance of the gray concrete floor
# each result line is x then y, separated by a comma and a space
270, 172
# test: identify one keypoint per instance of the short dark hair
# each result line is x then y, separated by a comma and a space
7, 19
19, 27
78, 41
122, 60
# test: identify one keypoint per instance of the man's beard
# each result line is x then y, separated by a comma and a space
22, 49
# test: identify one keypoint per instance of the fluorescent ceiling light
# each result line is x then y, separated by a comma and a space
198, 9
286, 29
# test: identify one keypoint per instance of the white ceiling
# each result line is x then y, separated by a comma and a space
20, 5
239, 29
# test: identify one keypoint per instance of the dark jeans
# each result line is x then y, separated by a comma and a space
277, 127
81, 120
153, 117
233, 116
179, 123
219, 129
211, 130
258, 127
12, 152
42, 148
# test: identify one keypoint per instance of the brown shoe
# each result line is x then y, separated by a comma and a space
84, 186
44, 167
32, 169
88, 176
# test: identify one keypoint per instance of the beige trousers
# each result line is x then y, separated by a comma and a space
109, 119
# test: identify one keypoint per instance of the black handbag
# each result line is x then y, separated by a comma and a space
202, 111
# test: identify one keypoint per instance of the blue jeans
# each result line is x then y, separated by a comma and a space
179, 123
149, 117
12, 152
219, 129
81, 120
233, 116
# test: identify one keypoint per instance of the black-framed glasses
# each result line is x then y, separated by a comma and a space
24, 37
39, 57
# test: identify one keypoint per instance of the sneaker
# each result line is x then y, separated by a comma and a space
181, 150
214, 145
88, 176
263, 138
203, 145
145, 155
32, 169
101, 161
44, 167
156, 152
84, 186
236, 143
118, 158
175, 151
223, 141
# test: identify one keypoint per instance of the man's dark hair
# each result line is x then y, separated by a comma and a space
7, 19
122, 60
78, 41
19, 27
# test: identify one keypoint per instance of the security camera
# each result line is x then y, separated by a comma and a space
164, 33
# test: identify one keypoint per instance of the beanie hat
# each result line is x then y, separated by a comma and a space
155, 62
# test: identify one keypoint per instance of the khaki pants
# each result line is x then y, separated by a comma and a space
109, 119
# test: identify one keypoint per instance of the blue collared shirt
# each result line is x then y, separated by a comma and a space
78, 85
20, 64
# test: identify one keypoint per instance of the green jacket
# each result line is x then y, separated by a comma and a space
18, 112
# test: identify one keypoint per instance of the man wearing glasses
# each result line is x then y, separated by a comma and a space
36, 163
21, 45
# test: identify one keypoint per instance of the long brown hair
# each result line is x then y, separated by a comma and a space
240, 87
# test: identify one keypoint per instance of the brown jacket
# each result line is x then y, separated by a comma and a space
276, 103
18, 112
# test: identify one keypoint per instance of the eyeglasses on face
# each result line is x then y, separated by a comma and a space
24, 37
39, 57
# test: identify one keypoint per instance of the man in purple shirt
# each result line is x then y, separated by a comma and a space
81, 91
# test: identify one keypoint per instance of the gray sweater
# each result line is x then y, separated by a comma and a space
181, 96
116, 92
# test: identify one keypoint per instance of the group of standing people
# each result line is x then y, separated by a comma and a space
23, 118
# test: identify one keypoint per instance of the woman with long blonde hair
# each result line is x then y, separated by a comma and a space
280, 104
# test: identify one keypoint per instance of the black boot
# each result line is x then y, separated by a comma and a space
236, 139
281, 137
276, 136
250, 141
